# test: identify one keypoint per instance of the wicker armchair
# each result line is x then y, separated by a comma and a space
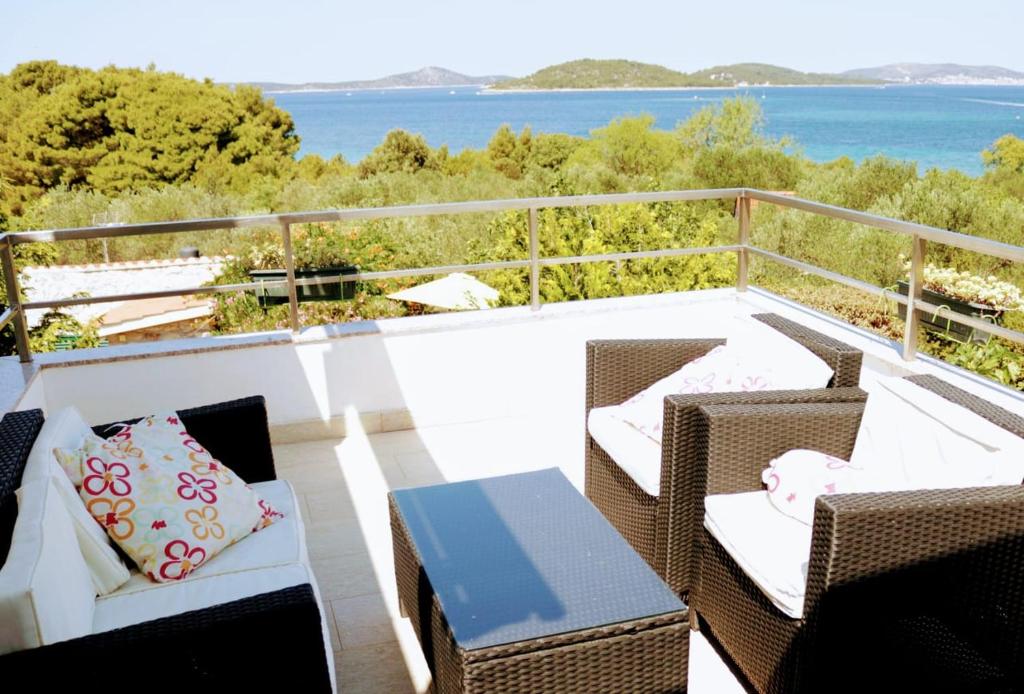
662, 528
268, 641
905, 591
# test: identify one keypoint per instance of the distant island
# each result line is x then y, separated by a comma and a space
425, 77
743, 74
627, 74
942, 73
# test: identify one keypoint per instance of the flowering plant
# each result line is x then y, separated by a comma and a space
990, 292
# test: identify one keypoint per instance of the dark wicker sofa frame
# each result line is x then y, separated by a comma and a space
906, 591
663, 529
261, 642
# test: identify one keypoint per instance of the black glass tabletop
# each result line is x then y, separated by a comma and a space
526, 556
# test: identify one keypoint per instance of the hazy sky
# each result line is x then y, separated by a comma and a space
318, 40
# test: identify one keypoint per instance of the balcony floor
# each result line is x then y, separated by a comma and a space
342, 485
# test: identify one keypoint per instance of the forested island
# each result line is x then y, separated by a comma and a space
77, 145
627, 74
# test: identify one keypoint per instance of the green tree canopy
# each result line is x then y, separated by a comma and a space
1005, 154
508, 153
1005, 163
120, 129
401, 151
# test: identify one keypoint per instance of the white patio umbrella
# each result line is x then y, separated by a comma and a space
456, 291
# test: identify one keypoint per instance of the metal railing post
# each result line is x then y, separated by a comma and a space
289, 264
743, 255
14, 302
914, 293
534, 262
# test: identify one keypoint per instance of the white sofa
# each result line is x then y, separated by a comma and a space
251, 615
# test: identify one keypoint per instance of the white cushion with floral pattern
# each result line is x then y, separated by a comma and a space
798, 477
756, 357
164, 499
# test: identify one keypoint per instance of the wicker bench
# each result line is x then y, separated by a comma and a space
518, 584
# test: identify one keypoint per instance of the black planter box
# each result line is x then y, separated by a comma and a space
327, 291
946, 326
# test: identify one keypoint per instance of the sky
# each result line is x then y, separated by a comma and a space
318, 40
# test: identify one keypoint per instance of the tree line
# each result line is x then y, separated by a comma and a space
128, 145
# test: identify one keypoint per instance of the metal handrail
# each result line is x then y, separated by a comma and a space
928, 233
368, 213
829, 275
919, 234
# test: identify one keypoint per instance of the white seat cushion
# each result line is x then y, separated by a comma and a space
637, 455
46, 592
141, 600
66, 430
272, 559
772, 549
281, 544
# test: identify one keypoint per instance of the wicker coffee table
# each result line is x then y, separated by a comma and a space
518, 584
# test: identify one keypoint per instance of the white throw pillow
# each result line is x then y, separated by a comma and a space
46, 591
67, 430
755, 357
791, 365
706, 374
798, 477
912, 438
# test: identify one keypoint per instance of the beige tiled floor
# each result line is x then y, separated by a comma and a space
342, 485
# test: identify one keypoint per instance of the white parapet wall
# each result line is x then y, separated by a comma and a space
421, 371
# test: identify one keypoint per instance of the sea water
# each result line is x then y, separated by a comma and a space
935, 126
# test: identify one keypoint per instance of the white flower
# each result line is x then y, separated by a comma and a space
990, 291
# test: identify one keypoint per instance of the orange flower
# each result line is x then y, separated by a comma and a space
204, 523
205, 466
115, 516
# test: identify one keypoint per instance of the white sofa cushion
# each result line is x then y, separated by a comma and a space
637, 455
772, 549
272, 559
46, 592
67, 430
912, 438
142, 600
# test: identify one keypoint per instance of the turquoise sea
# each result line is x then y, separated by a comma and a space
936, 126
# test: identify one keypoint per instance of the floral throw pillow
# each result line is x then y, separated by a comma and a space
796, 478
720, 370
163, 498
73, 461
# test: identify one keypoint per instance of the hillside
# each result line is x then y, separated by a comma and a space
424, 77
940, 73
762, 74
625, 74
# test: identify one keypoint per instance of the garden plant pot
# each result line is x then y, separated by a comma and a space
327, 291
946, 326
